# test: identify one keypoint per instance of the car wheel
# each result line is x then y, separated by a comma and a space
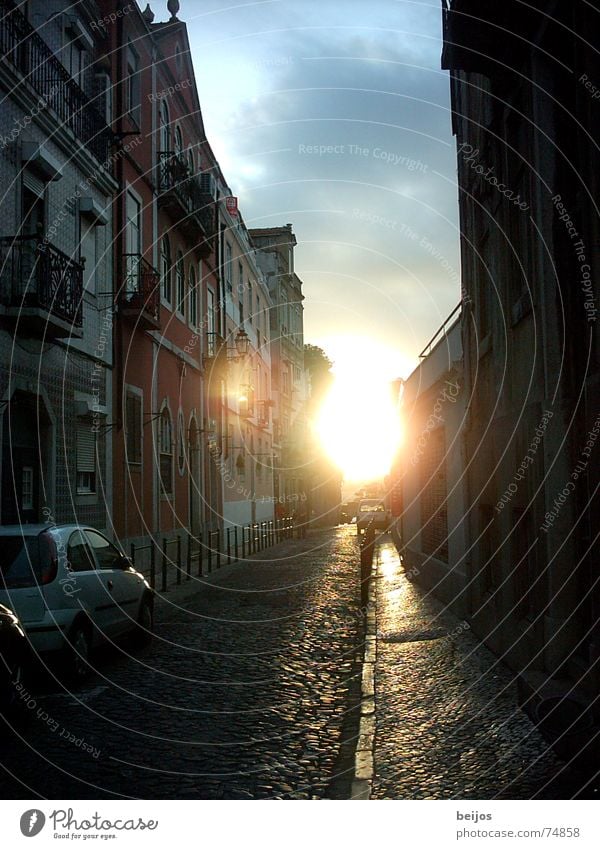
79, 654
145, 622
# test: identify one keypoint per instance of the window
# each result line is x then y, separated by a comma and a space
285, 382
211, 322
27, 488
86, 458
104, 96
190, 160
133, 85
73, 55
165, 270
133, 428
107, 556
250, 315
178, 141
241, 292
193, 298
180, 284
79, 554
87, 250
228, 269
241, 312
165, 130
180, 443
166, 452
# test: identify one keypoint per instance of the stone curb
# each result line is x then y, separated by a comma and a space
364, 759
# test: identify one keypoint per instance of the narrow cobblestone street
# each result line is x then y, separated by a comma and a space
248, 690
448, 722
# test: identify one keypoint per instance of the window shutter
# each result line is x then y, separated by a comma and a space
86, 448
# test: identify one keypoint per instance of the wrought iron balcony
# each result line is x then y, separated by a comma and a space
139, 296
181, 194
41, 287
25, 50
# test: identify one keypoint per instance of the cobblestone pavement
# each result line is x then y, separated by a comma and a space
448, 724
250, 689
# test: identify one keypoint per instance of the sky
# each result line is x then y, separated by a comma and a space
333, 115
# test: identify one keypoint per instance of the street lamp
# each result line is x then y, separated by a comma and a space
241, 343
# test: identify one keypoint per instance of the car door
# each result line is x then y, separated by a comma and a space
85, 589
124, 589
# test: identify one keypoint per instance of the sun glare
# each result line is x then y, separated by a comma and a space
358, 425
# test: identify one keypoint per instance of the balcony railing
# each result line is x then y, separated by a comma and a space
35, 276
139, 296
176, 182
21, 45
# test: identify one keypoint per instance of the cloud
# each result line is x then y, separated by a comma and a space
336, 116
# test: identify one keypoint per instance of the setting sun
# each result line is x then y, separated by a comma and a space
358, 424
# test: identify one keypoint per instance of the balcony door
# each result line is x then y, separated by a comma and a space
133, 244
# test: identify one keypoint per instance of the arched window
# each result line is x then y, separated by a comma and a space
165, 130
193, 299
180, 444
166, 452
178, 141
165, 270
180, 284
190, 159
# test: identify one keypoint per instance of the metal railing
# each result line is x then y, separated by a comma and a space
209, 550
174, 176
140, 291
34, 273
24, 48
441, 331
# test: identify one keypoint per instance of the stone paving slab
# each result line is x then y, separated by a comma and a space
448, 725
249, 690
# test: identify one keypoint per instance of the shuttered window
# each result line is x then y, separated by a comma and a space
86, 458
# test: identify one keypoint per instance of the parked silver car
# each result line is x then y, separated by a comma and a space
71, 589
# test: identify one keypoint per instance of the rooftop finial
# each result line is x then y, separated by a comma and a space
148, 14
173, 6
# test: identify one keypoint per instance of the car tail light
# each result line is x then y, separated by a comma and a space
49, 558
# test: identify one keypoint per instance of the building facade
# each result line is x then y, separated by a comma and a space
528, 186
56, 308
275, 257
428, 477
248, 448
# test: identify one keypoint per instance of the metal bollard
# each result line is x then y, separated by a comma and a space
164, 566
235, 541
228, 546
152, 565
178, 579
218, 532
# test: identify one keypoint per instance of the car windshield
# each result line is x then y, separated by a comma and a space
20, 561
372, 508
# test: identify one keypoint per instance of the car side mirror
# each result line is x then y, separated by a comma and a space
126, 562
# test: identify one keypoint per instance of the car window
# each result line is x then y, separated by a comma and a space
20, 561
107, 555
79, 555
